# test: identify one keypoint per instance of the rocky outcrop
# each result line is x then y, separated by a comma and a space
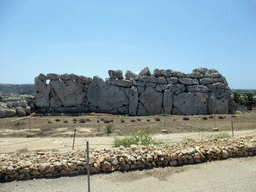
204, 91
16, 105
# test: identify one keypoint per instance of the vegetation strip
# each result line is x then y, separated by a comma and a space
50, 164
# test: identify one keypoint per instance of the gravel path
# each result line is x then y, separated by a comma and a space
238, 174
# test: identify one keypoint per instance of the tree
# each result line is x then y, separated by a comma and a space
248, 100
237, 97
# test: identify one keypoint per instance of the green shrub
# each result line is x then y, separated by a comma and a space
142, 137
188, 139
82, 120
122, 120
219, 136
19, 123
109, 128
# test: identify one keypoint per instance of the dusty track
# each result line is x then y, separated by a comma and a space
11, 144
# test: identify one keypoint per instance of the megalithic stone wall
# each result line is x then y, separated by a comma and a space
204, 91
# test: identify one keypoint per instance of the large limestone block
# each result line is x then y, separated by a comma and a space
177, 88
107, 98
197, 88
142, 111
69, 92
162, 73
172, 80
167, 102
41, 100
10, 112
118, 74
217, 106
194, 75
205, 81
178, 74
2, 113
200, 70
133, 100
188, 81
68, 77
145, 72
129, 75
53, 76
42, 92
119, 83
84, 80
55, 100
20, 111
191, 103
152, 101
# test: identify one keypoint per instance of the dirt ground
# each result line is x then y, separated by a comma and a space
13, 144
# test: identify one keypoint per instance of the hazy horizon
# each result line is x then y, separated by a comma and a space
90, 37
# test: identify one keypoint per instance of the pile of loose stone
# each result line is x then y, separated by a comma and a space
21, 105
50, 164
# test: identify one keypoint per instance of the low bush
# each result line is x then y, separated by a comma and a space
132, 120
157, 118
111, 120
138, 119
148, 120
122, 120
57, 120
174, 119
65, 121
219, 136
222, 117
109, 128
210, 116
204, 118
185, 118
142, 138
106, 121
82, 120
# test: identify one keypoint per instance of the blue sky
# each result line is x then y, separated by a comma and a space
89, 37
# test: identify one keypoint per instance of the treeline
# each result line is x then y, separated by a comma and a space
247, 99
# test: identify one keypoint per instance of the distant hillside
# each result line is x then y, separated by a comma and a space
242, 91
20, 89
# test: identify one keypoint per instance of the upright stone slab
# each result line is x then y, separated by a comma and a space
167, 103
191, 103
42, 92
133, 100
70, 93
152, 101
107, 98
142, 111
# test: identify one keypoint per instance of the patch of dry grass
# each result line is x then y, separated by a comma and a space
48, 126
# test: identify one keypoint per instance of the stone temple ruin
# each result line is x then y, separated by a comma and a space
205, 91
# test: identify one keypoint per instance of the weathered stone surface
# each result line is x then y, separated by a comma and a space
83, 80
152, 100
118, 74
200, 70
191, 103
133, 101
53, 76
212, 75
142, 111
167, 102
178, 74
106, 97
206, 81
172, 80
42, 92
194, 75
21, 103
129, 75
177, 88
10, 112
120, 83
55, 100
70, 93
188, 81
2, 113
197, 88
20, 111
145, 72
162, 73
68, 77
217, 106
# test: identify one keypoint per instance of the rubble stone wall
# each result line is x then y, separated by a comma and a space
204, 91
49, 164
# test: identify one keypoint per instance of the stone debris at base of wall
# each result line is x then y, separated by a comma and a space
20, 105
51, 164
204, 91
